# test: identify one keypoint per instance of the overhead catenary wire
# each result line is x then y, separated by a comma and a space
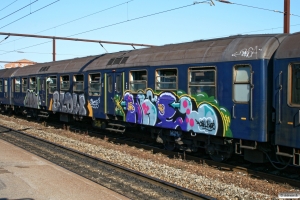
74, 20
121, 22
18, 10
110, 25
8, 5
29, 14
255, 7
32, 52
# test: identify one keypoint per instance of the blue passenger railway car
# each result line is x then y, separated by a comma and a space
286, 98
226, 95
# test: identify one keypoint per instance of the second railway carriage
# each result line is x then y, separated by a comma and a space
286, 98
6, 83
196, 94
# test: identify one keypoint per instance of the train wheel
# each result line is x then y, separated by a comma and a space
170, 146
219, 153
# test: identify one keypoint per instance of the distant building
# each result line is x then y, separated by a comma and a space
19, 63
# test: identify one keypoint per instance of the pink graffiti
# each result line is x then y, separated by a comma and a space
188, 111
145, 108
185, 104
192, 122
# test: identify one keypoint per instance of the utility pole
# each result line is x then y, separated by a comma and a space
287, 14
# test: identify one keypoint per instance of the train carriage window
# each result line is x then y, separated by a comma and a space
1, 85
5, 86
202, 80
294, 96
51, 84
109, 84
118, 83
64, 82
24, 85
137, 80
32, 83
241, 83
95, 84
17, 85
166, 79
78, 83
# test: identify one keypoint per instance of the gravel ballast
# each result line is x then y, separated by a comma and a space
194, 176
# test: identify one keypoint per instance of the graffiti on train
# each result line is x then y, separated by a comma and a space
198, 114
32, 99
69, 103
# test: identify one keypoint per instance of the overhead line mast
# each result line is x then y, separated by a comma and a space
287, 13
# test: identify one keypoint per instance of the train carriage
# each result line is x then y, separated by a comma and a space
160, 90
286, 98
214, 94
6, 83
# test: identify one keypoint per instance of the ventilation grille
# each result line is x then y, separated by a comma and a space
116, 61
124, 60
44, 69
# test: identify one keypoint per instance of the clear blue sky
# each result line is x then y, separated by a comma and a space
194, 22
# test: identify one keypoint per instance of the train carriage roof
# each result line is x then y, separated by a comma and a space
234, 48
64, 66
5, 73
290, 47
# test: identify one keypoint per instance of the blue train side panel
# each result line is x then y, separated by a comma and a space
286, 98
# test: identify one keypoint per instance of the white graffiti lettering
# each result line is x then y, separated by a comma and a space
248, 53
95, 103
68, 103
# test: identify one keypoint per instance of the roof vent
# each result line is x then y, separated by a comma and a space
110, 61
117, 61
44, 69
124, 60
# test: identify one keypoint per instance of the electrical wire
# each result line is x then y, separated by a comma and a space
125, 22
132, 19
30, 14
111, 25
8, 5
255, 7
18, 10
44, 53
73, 20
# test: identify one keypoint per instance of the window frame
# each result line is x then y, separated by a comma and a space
110, 84
61, 82
166, 76
24, 85
15, 81
76, 82
1, 85
290, 85
35, 84
132, 80
49, 86
90, 81
249, 83
202, 84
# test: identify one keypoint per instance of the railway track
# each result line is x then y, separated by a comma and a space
127, 182
288, 176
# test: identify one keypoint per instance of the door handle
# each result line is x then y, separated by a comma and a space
112, 98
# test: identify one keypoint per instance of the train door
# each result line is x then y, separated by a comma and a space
41, 90
6, 92
287, 106
51, 87
114, 87
242, 93
12, 89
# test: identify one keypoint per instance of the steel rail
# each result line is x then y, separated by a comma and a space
169, 186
